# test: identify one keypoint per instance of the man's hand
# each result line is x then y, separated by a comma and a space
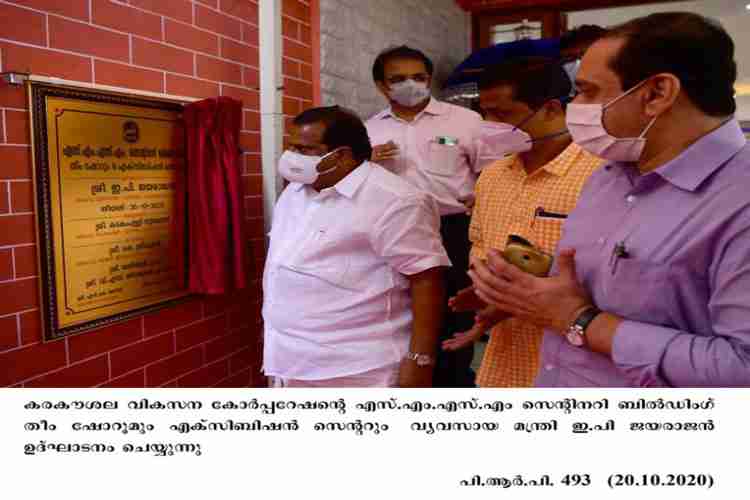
547, 302
411, 375
387, 151
466, 300
485, 319
469, 204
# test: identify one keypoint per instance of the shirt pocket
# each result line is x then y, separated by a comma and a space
637, 289
442, 159
330, 259
547, 233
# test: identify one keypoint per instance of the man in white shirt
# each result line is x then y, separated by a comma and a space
353, 283
433, 146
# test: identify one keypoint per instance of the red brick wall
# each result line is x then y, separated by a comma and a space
297, 62
197, 48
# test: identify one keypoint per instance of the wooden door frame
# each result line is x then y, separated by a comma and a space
551, 12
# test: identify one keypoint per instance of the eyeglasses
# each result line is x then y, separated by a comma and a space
417, 77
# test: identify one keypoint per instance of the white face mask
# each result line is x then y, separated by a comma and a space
586, 126
498, 140
409, 93
295, 167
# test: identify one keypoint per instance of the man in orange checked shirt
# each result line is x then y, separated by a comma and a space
528, 194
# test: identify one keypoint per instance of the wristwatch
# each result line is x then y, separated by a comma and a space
576, 333
421, 358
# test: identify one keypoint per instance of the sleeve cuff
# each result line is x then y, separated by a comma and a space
423, 264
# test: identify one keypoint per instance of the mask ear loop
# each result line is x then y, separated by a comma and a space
548, 136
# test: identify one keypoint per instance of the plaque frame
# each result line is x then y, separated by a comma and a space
37, 96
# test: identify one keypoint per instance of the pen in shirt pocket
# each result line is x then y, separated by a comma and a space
541, 214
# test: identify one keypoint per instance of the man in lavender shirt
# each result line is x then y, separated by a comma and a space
652, 287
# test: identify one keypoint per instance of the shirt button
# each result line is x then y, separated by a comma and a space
630, 198
549, 367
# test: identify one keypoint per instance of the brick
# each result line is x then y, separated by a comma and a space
177, 9
106, 339
140, 354
172, 317
132, 379
296, 9
18, 296
121, 75
217, 70
22, 25
250, 141
21, 364
15, 162
87, 374
78, 9
241, 379
226, 345
86, 39
31, 327
22, 196
6, 263
254, 228
191, 87
158, 55
254, 206
306, 35
165, 370
244, 9
253, 165
126, 19
8, 333
4, 205
45, 62
12, 96
290, 28
239, 52
252, 121
25, 261
296, 50
248, 315
257, 249
250, 98
306, 73
243, 359
190, 38
17, 127
251, 78
290, 68
217, 22
210, 3
297, 88
254, 185
206, 376
291, 106
200, 333
250, 35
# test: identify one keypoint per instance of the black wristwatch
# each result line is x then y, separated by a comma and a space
576, 333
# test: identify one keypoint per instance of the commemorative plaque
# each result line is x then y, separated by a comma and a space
110, 203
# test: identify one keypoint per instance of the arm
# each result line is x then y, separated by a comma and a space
645, 353
428, 299
408, 237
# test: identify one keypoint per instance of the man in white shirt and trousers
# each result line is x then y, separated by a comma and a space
353, 286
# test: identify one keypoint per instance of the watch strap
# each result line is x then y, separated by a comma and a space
585, 318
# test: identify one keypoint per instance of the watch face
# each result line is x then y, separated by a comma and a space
574, 338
